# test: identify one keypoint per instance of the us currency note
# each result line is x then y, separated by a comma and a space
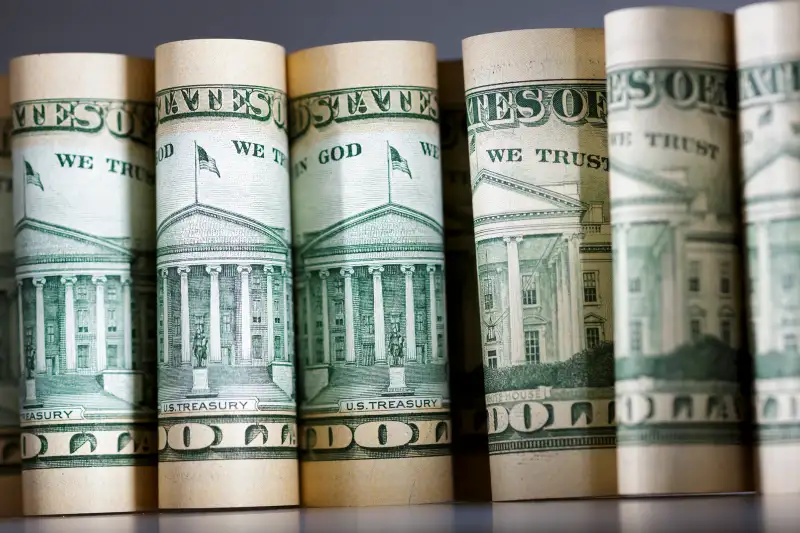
227, 415
84, 196
768, 58
10, 488
470, 439
678, 281
539, 166
369, 246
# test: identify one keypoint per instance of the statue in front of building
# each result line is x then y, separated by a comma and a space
396, 346
200, 349
30, 361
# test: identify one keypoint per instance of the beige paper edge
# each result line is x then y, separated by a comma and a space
220, 61
106, 76
658, 34
361, 64
368, 482
111, 489
228, 484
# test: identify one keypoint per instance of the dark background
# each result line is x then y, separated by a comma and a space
135, 27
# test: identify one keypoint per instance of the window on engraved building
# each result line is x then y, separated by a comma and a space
491, 333
256, 310
111, 317
592, 336
725, 277
491, 358
338, 286
726, 331
227, 323
635, 285
338, 347
338, 311
83, 356
81, 292
532, 349
694, 276
368, 323
278, 347
439, 305
696, 329
83, 320
636, 337
111, 293
51, 334
790, 343
488, 294
528, 290
590, 287
276, 310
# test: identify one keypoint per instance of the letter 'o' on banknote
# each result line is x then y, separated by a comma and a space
369, 246
10, 501
536, 117
768, 61
226, 395
678, 325
84, 202
471, 479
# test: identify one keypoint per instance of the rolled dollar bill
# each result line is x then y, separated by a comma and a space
10, 488
536, 117
674, 198
768, 58
227, 415
85, 240
470, 440
369, 246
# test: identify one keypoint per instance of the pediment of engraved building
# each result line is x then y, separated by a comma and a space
206, 226
495, 192
388, 225
35, 238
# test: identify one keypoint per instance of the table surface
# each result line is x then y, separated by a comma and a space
696, 514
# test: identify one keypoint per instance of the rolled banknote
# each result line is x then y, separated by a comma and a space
227, 415
10, 488
369, 246
674, 198
536, 117
470, 440
82, 151
768, 57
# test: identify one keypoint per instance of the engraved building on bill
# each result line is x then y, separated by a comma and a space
679, 252
544, 271
371, 290
229, 293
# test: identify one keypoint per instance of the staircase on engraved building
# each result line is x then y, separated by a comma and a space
76, 390
373, 380
226, 381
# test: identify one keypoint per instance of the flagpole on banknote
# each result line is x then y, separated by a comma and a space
196, 163
389, 169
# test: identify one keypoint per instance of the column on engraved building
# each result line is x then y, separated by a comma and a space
349, 322
69, 322
100, 322
186, 350
244, 272
411, 336
326, 327
214, 335
377, 309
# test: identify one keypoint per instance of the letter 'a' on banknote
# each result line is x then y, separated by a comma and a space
470, 440
536, 117
369, 249
679, 338
10, 488
226, 396
768, 62
84, 202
